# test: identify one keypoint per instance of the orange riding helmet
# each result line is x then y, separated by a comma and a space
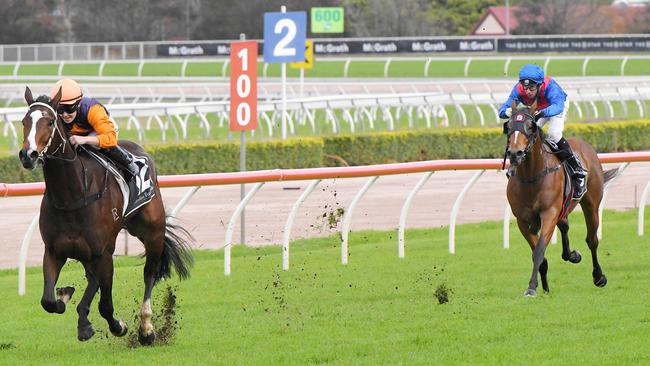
70, 91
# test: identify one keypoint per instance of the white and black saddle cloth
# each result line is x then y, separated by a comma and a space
138, 191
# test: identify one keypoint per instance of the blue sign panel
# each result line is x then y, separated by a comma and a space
284, 37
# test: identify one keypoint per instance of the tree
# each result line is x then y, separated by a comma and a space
562, 17
458, 17
386, 18
29, 21
226, 19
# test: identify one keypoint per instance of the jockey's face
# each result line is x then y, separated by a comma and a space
531, 90
68, 117
68, 112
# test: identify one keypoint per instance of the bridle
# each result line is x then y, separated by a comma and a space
86, 199
519, 120
43, 154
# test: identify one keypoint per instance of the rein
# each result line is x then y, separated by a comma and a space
531, 142
86, 198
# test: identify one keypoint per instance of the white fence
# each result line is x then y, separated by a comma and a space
221, 65
352, 111
259, 178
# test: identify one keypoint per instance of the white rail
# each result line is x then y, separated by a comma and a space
260, 177
345, 63
442, 106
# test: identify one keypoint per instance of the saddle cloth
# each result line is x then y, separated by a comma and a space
138, 192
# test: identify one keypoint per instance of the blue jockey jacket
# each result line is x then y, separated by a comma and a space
550, 98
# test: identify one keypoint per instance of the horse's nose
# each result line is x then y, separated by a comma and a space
515, 154
27, 158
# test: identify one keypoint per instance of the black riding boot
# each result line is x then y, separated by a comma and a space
577, 172
124, 159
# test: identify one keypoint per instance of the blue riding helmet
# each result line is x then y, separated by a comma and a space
531, 74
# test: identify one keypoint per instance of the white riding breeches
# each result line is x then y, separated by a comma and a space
555, 124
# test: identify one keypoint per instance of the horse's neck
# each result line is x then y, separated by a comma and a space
534, 162
64, 179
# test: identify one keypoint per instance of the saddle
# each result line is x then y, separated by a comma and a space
138, 191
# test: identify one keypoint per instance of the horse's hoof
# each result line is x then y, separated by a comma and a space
123, 329
146, 339
530, 293
601, 282
575, 257
85, 333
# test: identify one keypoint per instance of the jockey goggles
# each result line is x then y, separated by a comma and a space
528, 84
67, 108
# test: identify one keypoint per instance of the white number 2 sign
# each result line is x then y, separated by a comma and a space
284, 36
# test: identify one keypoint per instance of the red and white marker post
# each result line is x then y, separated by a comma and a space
243, 100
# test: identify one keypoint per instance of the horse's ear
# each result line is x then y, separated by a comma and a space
55, 101
28, 96
514, 105
533, 108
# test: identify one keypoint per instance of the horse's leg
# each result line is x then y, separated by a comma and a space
592, 221
572, 256
532, 240
104, 273
146, 332
85, 329
51, 269
543, 270
547, 227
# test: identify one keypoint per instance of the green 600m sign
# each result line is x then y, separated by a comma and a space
327, 20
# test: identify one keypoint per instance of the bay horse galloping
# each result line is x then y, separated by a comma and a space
536, 194
82, 213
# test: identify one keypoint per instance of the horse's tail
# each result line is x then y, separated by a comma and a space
177, 252
610, 174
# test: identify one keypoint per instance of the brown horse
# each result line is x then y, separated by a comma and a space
81, 215
535, 194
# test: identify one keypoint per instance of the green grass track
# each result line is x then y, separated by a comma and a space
376, 310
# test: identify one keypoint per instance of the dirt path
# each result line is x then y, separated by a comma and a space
208, 213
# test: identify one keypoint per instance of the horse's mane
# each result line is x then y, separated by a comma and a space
43, 99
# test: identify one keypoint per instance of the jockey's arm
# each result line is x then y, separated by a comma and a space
106, 136
556, 98
514, 95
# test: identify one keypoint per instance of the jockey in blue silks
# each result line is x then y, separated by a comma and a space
552, 107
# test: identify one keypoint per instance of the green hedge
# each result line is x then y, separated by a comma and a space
360, 149
224, 157
403, 146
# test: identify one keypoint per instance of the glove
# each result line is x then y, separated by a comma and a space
508, 112
538, 115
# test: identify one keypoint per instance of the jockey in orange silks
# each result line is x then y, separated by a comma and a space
89, 123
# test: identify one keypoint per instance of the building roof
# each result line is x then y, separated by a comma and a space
495, 14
